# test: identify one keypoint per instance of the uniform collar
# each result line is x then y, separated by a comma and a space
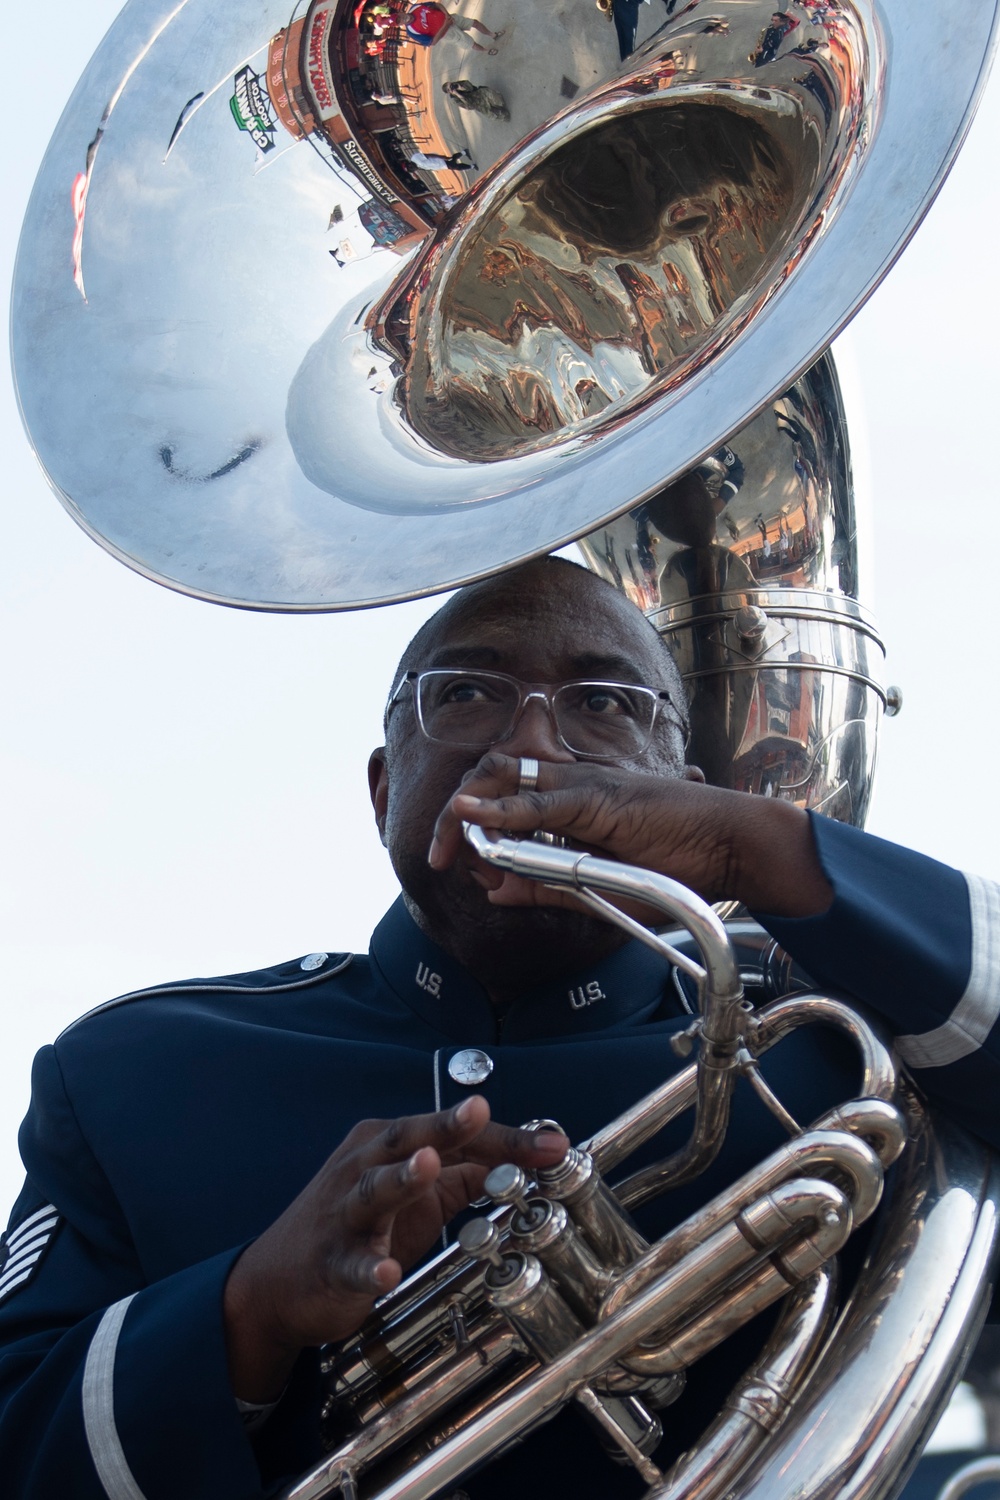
632, 981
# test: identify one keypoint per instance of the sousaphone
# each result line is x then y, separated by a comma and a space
292, 331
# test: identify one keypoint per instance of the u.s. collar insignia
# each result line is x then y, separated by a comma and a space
22, 1248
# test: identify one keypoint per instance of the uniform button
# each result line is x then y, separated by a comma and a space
471, 1066
313, 961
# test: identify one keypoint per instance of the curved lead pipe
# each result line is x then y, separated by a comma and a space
572, 870
807, 1155
790, 1234
721, 993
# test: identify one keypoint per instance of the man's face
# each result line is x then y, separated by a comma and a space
546, 624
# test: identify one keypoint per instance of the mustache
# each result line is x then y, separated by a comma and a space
454, 900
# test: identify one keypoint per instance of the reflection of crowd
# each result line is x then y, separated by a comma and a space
382, 25
428, 22
379, 28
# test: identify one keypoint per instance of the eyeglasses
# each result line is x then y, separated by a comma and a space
605, 721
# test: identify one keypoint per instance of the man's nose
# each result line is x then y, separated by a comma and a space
535, 735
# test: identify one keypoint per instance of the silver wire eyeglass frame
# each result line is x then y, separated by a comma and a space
548, 693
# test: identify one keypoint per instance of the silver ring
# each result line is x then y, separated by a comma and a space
527, 779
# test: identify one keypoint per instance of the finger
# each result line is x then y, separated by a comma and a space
570, 810
565, 809
527, 1148
364, 1273
494, 776
485, 875
518, 890
495, 782
380, 1193
445, 1130
562, 791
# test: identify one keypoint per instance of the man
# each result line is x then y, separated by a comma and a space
434, 161
185, 1239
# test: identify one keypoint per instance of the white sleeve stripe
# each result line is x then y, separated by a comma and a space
16, 1280
12, 1274
26, 1224
99, 1408
30, 1253
22, 1249
975, 1015
18, 1241
35, 1243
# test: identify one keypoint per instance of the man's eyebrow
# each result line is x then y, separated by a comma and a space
608, 666
463, 656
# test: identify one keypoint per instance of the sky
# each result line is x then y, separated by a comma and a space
184, 786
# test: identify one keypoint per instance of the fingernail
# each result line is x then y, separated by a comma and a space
412, 1168
469, 801
548, 1140
465, 1111
435, 850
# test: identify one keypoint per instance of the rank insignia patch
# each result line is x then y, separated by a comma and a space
23, 1247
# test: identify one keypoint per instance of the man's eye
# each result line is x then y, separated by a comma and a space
464, 690
608, 702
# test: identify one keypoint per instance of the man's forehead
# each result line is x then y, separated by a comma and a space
462, 651
581, 633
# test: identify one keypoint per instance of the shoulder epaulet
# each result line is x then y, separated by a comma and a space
314, 968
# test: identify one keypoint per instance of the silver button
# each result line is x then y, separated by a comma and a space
471, 1066
313, 961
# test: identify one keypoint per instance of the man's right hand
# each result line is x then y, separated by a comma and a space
725, 845
374, 1208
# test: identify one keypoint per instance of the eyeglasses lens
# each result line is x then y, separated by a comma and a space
609, 720
467, 708
606, 720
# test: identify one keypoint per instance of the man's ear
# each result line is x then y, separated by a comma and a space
378, 788
694, 773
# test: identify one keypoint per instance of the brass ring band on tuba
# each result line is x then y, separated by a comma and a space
614, 329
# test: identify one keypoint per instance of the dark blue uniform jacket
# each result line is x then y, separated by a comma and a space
169, 1128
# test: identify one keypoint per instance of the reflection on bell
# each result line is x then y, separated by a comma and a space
748, 566
650, 251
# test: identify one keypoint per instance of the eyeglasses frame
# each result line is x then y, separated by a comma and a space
545, 691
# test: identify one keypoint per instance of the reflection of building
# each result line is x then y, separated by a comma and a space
325, 75
383, 223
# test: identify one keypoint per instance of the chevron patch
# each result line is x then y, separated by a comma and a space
22, 1248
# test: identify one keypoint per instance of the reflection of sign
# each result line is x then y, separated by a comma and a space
385, 226
252, 109
360, 164
315, 61
347, 250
